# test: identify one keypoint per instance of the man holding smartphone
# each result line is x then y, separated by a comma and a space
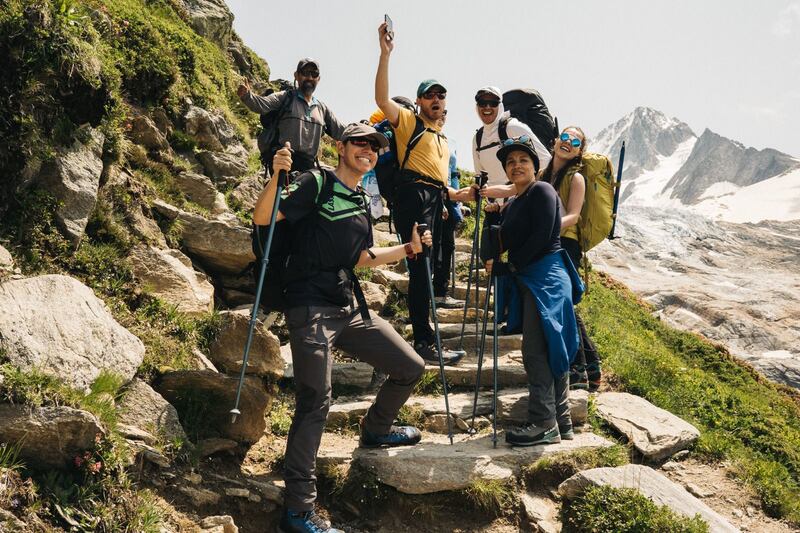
422, 185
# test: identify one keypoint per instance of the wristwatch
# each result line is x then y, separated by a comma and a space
409, 251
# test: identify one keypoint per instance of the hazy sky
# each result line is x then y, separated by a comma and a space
731, 66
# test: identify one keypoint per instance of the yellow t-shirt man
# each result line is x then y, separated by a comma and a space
431, 155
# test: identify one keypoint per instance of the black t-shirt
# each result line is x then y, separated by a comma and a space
531, 225
325, 243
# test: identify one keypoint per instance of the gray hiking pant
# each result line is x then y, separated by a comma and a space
312, 333
547, 396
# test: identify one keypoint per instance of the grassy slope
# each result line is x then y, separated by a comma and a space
742, 417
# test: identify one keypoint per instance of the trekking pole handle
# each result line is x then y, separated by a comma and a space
480, 180
421, 229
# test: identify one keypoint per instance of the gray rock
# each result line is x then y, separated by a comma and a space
211, 446
228, 348
212, 19
388, 278
541, 512
224, 167
656, 433
200, 497
375, 295
651, 484
434, 465
246, 194
144, 408
168, 274
218, 524
145, 132
222, 245
211, 130
6, 261
72, 337
73, 177
199, 189
700, 491
50, 437
206, 394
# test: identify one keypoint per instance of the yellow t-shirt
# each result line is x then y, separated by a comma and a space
431, 156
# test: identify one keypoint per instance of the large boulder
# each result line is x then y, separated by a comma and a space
222, 245
73, 177
205, 398
225, 167
228, 348
211, 130
144, 408
375, 294
49, 437
57, 325
200, 190
434, 465
650, 483
656, 433
246, 194
212, 19
6, 261
169, 275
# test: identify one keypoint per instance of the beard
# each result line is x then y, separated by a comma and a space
308, 87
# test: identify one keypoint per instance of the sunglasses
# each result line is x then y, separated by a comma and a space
565, 137
522, 139
361, 143
309, 73
488, 103
430, 95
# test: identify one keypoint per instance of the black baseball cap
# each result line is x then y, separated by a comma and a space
523, 143
305, 62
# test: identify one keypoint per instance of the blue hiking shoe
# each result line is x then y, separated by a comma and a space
397, 436
304, 522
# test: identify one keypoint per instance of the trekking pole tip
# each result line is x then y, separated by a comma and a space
234, 414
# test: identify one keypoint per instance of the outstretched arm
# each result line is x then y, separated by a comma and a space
389, 107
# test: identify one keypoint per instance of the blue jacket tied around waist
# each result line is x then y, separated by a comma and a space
556, 287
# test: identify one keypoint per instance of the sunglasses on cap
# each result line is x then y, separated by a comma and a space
522, 139
430, 95
488, 103
565, 137
362, 142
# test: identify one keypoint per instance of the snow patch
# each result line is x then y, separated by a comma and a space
649, 189
721, 188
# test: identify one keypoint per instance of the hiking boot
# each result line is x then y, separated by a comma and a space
531, 435
578, 380
566, 432
447, 302
304, 522
593, 375
397, 436
429, 354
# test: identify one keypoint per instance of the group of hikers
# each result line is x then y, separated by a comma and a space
534, 196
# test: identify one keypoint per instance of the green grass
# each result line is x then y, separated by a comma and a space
492, 496
743, 418
624, 511
551, 471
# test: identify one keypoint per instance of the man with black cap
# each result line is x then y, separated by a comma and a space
424, 181
331, 236
301, 118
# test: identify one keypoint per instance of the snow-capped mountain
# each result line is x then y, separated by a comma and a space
666, 164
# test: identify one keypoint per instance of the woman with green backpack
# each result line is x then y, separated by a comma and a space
564, 174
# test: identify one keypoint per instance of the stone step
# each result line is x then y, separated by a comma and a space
505, 343
454, 316
510, 371
512, 409
434, 465
651, 484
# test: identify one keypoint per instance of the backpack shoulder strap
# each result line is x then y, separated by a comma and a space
419, 131
502, 128
478, 138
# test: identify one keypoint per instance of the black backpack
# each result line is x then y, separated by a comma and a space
272, 298
269, 136
501, 131
388, 170
527, 106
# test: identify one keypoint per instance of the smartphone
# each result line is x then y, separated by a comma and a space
389, 28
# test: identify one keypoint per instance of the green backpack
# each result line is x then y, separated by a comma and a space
597, 215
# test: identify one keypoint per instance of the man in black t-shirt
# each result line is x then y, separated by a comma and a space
330, 236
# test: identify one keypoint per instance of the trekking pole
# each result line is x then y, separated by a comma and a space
254, 315
618, 185
495, 356
481, 346
480, 180
422, 228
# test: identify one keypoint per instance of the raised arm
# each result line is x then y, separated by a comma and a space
257, 103
389, 107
